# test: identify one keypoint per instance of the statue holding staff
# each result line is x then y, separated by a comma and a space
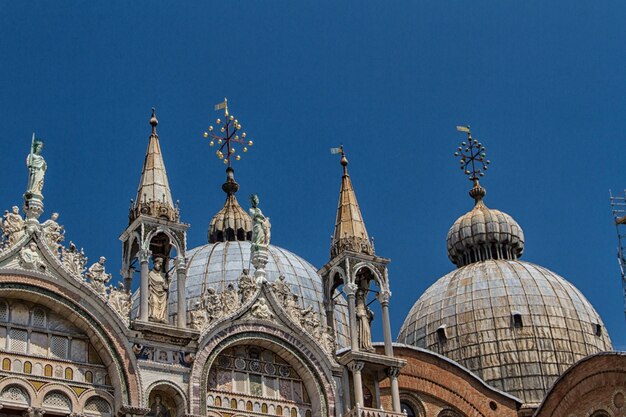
36, 169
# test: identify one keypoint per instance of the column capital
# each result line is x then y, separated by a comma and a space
384, 296
350, 288
144, 255
180, 263
356, 366
393, 372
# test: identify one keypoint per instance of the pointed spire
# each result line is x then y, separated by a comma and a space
350, 232
154, 197
231, 222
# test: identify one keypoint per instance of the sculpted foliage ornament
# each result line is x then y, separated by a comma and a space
119, 300
73, 259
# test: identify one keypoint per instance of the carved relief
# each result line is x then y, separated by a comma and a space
261, 310
30, 258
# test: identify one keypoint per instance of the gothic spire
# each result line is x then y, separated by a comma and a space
154, 197
350, 232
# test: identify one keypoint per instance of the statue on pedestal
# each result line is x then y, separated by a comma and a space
158, 287
36, 169
261, 227
364, 317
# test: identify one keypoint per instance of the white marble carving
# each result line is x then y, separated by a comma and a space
98, 278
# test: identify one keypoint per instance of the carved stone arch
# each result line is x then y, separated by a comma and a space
23, 384
448, 412
62, 388
174, 240
319, 381
168, 387
413, 400
380, 281
99, 323
335, 270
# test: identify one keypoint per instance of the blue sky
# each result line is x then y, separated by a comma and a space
541, 83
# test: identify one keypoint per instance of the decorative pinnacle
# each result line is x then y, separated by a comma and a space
230, 134
153, 121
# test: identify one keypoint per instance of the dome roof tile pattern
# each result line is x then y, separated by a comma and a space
216, 265
517, 325
484, 233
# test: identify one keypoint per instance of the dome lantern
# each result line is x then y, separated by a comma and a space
482, 233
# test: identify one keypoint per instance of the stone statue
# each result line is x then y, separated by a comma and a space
328, 340
198, 317
364, 318
12, 226
119, 300
261, 310
213, 305
74, 260
98, 278
36, 169
247, 286
29, 257
230, 300
293, 309
261, 227
309, 320
53, 232
282, 290
158, 287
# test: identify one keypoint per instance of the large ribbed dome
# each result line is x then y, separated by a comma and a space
216, 265
517, 325
484, 233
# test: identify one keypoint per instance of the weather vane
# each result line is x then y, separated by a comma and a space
229, 134
473, 158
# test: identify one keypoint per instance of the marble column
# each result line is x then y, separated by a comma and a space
350, 290
356, 367
144, 290
393, 374
383, 298
181, 292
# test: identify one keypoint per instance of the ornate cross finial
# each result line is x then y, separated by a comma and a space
473, 158
229, 135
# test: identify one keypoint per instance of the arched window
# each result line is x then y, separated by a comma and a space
28, 367
600, 413
6, 364
407, 409
15, 394
69, 374
47, 371
57, 401
97, 406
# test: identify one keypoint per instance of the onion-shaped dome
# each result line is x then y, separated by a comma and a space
517, 325
216, 265
483, 234
231, 222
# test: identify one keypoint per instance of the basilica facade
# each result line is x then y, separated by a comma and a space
239, 327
